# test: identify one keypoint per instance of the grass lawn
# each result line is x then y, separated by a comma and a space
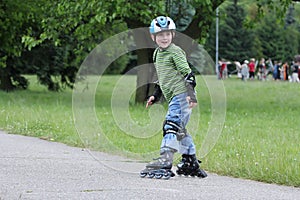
259, 140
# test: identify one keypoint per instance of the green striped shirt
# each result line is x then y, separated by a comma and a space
171, 67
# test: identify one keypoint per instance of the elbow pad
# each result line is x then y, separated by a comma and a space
191, 79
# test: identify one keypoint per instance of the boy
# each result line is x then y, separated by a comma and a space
176, 83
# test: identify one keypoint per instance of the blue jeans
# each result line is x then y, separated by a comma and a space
179, 113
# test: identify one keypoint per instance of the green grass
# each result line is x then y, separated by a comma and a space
259, 140
39, 113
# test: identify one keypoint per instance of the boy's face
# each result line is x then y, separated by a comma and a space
163, 39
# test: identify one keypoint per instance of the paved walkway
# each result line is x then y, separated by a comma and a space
31, 168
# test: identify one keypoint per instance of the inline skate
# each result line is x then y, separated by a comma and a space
161, 168
189, 166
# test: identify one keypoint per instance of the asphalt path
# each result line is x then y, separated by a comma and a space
31, 168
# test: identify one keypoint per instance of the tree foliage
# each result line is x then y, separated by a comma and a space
235, 38
268, 38
13, 24
54, 38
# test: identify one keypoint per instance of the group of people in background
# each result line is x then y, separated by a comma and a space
248, 70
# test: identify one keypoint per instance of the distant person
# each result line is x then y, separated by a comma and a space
224, 68
269, 68
295, 69
262, 69
285, 71
238, 69
299, 72
276, 70
245, 70
219, 70
252, 69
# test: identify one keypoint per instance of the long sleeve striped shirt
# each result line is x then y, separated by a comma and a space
171, 67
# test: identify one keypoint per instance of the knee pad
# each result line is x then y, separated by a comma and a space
170, 127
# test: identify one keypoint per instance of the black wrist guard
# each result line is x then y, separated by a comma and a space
191, 93
157, 93
190, 85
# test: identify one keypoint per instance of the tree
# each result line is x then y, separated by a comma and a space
277, 42
135, 14
43, 59
235, 39
270, 37
82, 23
13, 20
56, 56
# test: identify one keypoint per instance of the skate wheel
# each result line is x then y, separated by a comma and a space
158, 176
151, 175
172, 174
167, 175
179, 172
202, 174
143, 174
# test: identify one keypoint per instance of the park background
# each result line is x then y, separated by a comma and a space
44, 43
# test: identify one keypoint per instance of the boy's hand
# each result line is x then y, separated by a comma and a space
192, 104
191, 96
150, 101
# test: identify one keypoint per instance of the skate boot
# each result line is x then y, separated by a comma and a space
161, 167
189, 166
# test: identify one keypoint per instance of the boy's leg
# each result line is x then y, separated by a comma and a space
187, 146
173, 127
189, 164
176, 138
176, 119
169, 144
175, 135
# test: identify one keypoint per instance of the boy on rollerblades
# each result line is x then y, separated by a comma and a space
176, 82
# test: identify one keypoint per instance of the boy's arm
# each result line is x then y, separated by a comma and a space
181, 63
183, 67
155, 96
190, 81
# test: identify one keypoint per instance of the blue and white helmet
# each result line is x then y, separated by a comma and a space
161, 23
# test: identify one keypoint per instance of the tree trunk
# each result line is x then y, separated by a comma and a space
5, 80
144, 77
145, 67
